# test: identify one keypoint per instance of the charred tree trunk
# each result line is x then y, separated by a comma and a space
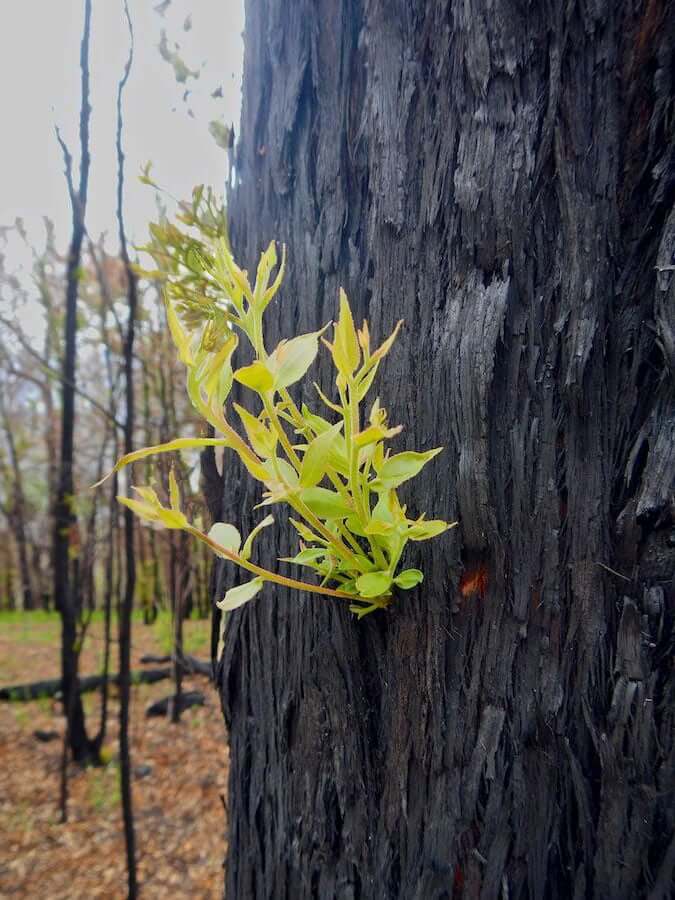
65, 523
500, 175
127, 601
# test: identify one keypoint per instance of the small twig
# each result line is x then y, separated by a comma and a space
613, 571
54, 373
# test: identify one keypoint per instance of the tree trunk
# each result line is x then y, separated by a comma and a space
500, 175
65, 523
17, 517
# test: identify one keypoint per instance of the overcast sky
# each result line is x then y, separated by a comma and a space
40, 78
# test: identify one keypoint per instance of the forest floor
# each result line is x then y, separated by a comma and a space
180, 777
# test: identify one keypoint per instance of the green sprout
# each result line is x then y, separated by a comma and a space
333, 472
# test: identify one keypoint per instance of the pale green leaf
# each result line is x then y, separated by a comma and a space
325, 504
305, 533
256, 376
180, 337
317, 456
408, 578
174, 492
226, 535
248, 545
422, 531
169, 447
261, 438
374, 584
403, 466
346, 351
291, 359
238, 596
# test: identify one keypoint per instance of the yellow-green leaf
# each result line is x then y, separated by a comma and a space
373, 584
261, 438
180, 337
305, 533
276, 284
238, 596
256, 376
346, 351
317, 456
226, 535
423, 530
169, 447
402, 466
174, 492
291, 359
147, 511
248, 545
408, 578
268, 261
375, 433
325, 504
382, 350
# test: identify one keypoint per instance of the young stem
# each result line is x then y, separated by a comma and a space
351, 419
265, 573
294, 459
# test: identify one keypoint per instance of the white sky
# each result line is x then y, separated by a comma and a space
40, 87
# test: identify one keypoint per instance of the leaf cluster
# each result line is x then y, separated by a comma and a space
332, 468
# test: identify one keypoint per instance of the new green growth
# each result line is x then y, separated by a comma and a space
332, 470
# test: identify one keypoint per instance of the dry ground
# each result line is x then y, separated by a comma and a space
180, 777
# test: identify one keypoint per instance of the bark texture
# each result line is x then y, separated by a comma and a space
500, 174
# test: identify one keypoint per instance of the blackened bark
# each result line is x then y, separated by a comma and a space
65, 524
126, 606
500, 175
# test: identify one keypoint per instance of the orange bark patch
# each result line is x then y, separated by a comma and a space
474, 581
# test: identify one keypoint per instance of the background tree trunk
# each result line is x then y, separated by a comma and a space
500, 175
66, 533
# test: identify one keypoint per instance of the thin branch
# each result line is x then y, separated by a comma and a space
53, 373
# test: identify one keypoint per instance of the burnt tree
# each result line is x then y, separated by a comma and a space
500, 174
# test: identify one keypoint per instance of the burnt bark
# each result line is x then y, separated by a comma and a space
66, 534
127, 601
500, 175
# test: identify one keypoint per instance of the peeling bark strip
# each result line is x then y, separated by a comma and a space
500, 175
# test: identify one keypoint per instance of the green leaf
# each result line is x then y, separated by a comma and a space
306, 533
180, 337
268, 261
317, 456
346, 351
291, 359
366, 382
174, 492
329, 404
382, 351
238, 596
375, 433
403, 466
256, 376
325, 504
316, 423
226, 535
280, 467
307, 556
248, 546
217, 377
354, 525
263, 441
169, 447
408, 578
422, 531
374, 584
